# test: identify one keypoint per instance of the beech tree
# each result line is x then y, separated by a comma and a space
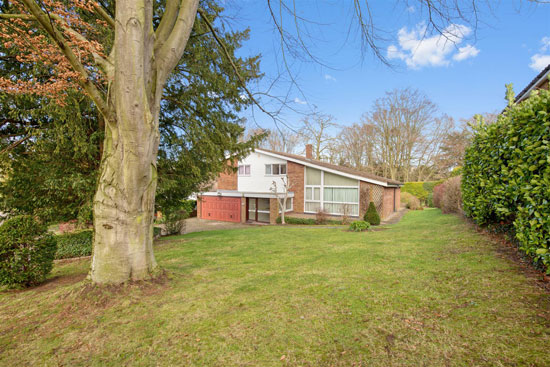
125, 79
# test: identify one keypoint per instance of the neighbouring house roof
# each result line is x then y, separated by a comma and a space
344, 171
535, 83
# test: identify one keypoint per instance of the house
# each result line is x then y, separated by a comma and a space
540, 82
245, 195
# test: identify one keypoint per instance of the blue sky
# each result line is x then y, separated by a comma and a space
463, 78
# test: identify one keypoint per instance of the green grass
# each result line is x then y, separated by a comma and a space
428, 291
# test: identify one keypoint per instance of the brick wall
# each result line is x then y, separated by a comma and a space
228, 180
295, 174
273, 211
199, 206
387, 202
397, 198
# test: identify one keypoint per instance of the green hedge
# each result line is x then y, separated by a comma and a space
306, 221
506, 174
417, 189
26, 251
423, 190
74, 244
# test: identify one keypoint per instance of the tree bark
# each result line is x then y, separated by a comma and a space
125, 198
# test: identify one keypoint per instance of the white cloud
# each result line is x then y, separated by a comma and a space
419, 50
299, 101
465, 53
330, 78
539, 62
411, 9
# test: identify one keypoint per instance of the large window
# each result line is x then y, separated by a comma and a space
244, 170
275, 169
333, 193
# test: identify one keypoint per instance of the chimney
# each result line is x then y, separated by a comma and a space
309, 151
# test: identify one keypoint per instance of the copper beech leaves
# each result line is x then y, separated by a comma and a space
24, 39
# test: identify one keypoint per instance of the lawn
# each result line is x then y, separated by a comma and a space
428, 291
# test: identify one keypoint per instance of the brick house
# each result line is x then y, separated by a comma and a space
539, 82
245, 195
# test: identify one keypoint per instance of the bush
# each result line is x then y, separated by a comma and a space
439, 190
75, 244
321, 217
452, 199
27, 251
174, 221
85, 216
506, 174
359, 226
157, 232
416, 189
371, 215
306, 221
410, 201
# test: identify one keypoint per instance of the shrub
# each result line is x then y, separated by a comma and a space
371, 215
75, 244
410, 201
359, 226
414, 204
452, 199
85, 217
306, 221
506, 174
439, 190
157, 232
174, 221
321, 217
27, 251
416, 189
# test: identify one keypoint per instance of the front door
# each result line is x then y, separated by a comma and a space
258, 209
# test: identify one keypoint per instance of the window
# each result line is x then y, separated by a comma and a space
288, 207
333, 193
244, 170
275, 169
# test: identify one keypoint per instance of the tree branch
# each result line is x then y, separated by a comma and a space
103, 14
45, 21
15, 144
170, 51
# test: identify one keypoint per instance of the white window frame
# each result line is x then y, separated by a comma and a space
291, 205
322, 201
271, 169
244, 174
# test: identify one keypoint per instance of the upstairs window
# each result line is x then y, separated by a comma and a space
244, 170
275, 169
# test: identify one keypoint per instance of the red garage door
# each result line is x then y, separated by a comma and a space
221, 208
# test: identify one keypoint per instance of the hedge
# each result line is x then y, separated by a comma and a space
423, 190
506, 174
74, 244
306, 221
26, 251
416, 189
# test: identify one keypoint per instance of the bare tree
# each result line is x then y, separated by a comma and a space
282, 197
403, 122
356, 146
317, 132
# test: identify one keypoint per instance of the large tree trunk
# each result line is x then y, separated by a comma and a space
125, 199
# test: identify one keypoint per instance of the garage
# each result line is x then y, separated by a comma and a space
226, 209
